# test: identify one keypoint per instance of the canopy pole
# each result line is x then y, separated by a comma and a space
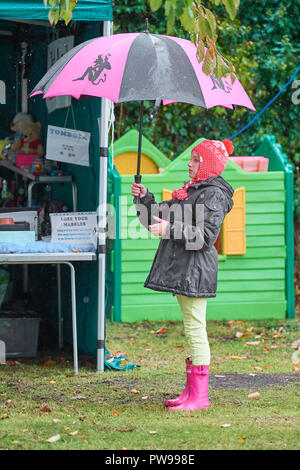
103, 154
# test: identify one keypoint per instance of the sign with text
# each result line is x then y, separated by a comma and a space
74, 227
68, 145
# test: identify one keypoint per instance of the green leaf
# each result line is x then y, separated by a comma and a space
51, 16
187, 19
212, 23
200, 51
207, 64
231, 9
218, 69
155, 4
202, 27
56, 16
67, 16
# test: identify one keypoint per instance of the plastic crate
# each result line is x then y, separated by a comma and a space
20, 336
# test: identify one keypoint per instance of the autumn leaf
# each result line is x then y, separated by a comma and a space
241, 440
134, 391
73, 433
254, 395
152, 432
132, 340
253, 343
54, 438
114, 413
160, 331
49, 363
46, 409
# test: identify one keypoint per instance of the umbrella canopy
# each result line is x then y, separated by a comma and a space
139, 66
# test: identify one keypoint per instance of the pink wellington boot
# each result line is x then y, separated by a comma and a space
198, 390
182, 397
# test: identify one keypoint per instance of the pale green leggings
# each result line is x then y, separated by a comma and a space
194, 321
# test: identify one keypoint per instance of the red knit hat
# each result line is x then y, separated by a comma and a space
214, 156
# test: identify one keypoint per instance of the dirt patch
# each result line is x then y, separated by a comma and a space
221, 381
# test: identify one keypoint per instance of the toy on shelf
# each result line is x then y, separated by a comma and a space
18, 127
31, 143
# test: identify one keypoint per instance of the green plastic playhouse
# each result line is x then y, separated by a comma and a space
256, 282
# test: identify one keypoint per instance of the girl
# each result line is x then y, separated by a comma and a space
186, 261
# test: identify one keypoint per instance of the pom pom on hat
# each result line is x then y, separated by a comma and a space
228, 145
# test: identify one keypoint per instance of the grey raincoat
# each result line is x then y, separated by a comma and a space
186, 261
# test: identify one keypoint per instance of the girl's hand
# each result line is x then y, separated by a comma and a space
159, 229
138, 190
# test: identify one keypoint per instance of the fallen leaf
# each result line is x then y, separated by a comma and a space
237, 357
226, 425
79, 398
145, 397
220, 376
25, 430
148, 349
8, 401
152, 432
73, 433
49, 363
54, 438
52, 382
56, 420
239, 334
273, 346
267, 367
114, 413
46, 409
257, 368
241, 440
160, 331
254, 395
133, 340
266, 351
16, 442
296, 367
230, 322
134, 391
253, 343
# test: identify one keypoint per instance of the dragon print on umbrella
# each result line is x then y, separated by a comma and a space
94, 72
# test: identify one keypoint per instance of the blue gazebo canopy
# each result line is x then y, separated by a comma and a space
85, 10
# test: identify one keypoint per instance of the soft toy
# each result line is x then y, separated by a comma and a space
31, 142
18, 126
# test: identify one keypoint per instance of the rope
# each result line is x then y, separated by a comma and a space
265, 107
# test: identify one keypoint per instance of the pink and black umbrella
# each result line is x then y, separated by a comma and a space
140, 66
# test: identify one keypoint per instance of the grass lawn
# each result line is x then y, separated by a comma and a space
115, 410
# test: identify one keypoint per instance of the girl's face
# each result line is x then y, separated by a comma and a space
194, 164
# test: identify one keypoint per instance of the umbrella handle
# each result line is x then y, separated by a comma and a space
137, 179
